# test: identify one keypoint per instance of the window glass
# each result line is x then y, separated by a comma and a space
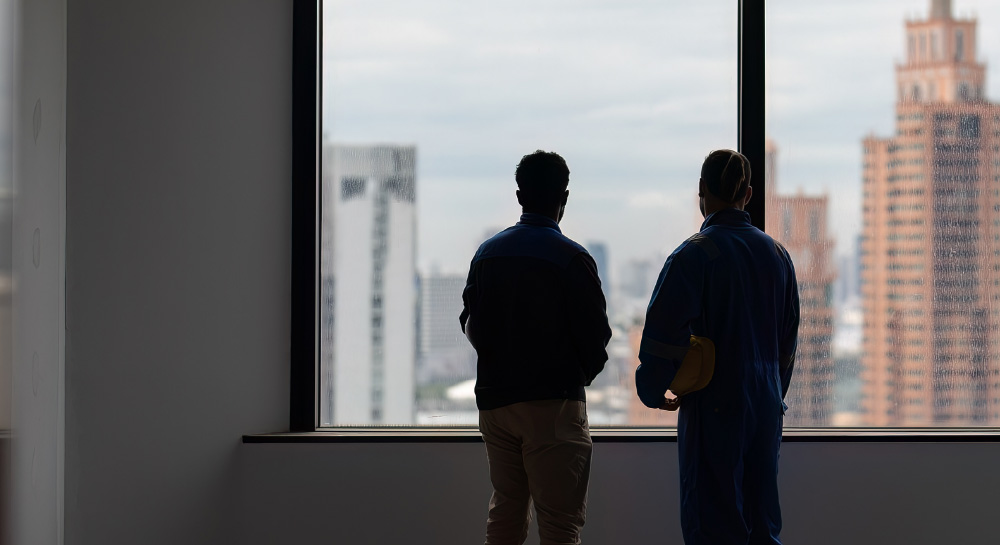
428, 107
902, 173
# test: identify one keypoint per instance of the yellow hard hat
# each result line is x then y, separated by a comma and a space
697, 368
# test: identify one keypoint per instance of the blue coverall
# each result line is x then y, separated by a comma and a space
735, 285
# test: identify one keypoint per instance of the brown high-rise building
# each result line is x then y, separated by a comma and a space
799, 223
931, 238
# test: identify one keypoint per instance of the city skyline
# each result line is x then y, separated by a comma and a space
834, 377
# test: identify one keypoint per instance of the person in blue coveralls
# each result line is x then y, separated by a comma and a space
734, 285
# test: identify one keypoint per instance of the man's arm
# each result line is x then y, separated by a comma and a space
468, 297
588, 315
666, 336
790, 329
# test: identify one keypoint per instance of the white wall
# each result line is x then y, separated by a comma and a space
177, 338
6, 205
177, 253
39, 144
832, 494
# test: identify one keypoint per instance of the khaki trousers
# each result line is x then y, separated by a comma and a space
539, 451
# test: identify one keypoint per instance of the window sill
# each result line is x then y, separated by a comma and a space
636, 435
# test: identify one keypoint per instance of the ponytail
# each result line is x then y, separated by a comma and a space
732, 179
727, 175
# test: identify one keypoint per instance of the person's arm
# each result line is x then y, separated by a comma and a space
790, 328
588, 316
468, 297
666, 336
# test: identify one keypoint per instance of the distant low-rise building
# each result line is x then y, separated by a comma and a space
444, 353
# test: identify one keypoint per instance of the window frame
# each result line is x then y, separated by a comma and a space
306, 184
305, 278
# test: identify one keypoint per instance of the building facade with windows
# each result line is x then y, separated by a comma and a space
369, 293
931, 238
799, 222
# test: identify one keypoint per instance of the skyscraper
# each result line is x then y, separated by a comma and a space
847, 289
599, 251
368, 310
799, 223
638, 277
931, 238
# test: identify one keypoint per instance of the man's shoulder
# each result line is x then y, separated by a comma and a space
572, 245
566, 249
492, 242
521, 241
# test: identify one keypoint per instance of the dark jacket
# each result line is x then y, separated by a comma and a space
535, 314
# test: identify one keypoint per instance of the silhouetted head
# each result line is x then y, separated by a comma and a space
542, 178
725, 181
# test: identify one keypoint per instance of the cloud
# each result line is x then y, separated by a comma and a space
633, 93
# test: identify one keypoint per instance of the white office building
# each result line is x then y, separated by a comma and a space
368, 311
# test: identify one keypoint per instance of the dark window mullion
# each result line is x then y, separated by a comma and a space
751, 100
304, 386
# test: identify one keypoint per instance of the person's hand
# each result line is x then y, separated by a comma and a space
670, 404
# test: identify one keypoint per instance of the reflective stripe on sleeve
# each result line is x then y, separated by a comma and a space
663, 350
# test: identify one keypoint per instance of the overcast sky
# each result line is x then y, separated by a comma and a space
633, 93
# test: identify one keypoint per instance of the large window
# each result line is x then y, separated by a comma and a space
881, 174
427, 108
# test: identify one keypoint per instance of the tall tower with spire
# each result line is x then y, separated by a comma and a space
931, 238
941, 61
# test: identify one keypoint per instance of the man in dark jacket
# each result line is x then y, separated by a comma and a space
536, 315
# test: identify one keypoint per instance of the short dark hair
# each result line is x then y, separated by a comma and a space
726, 174
542, 177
